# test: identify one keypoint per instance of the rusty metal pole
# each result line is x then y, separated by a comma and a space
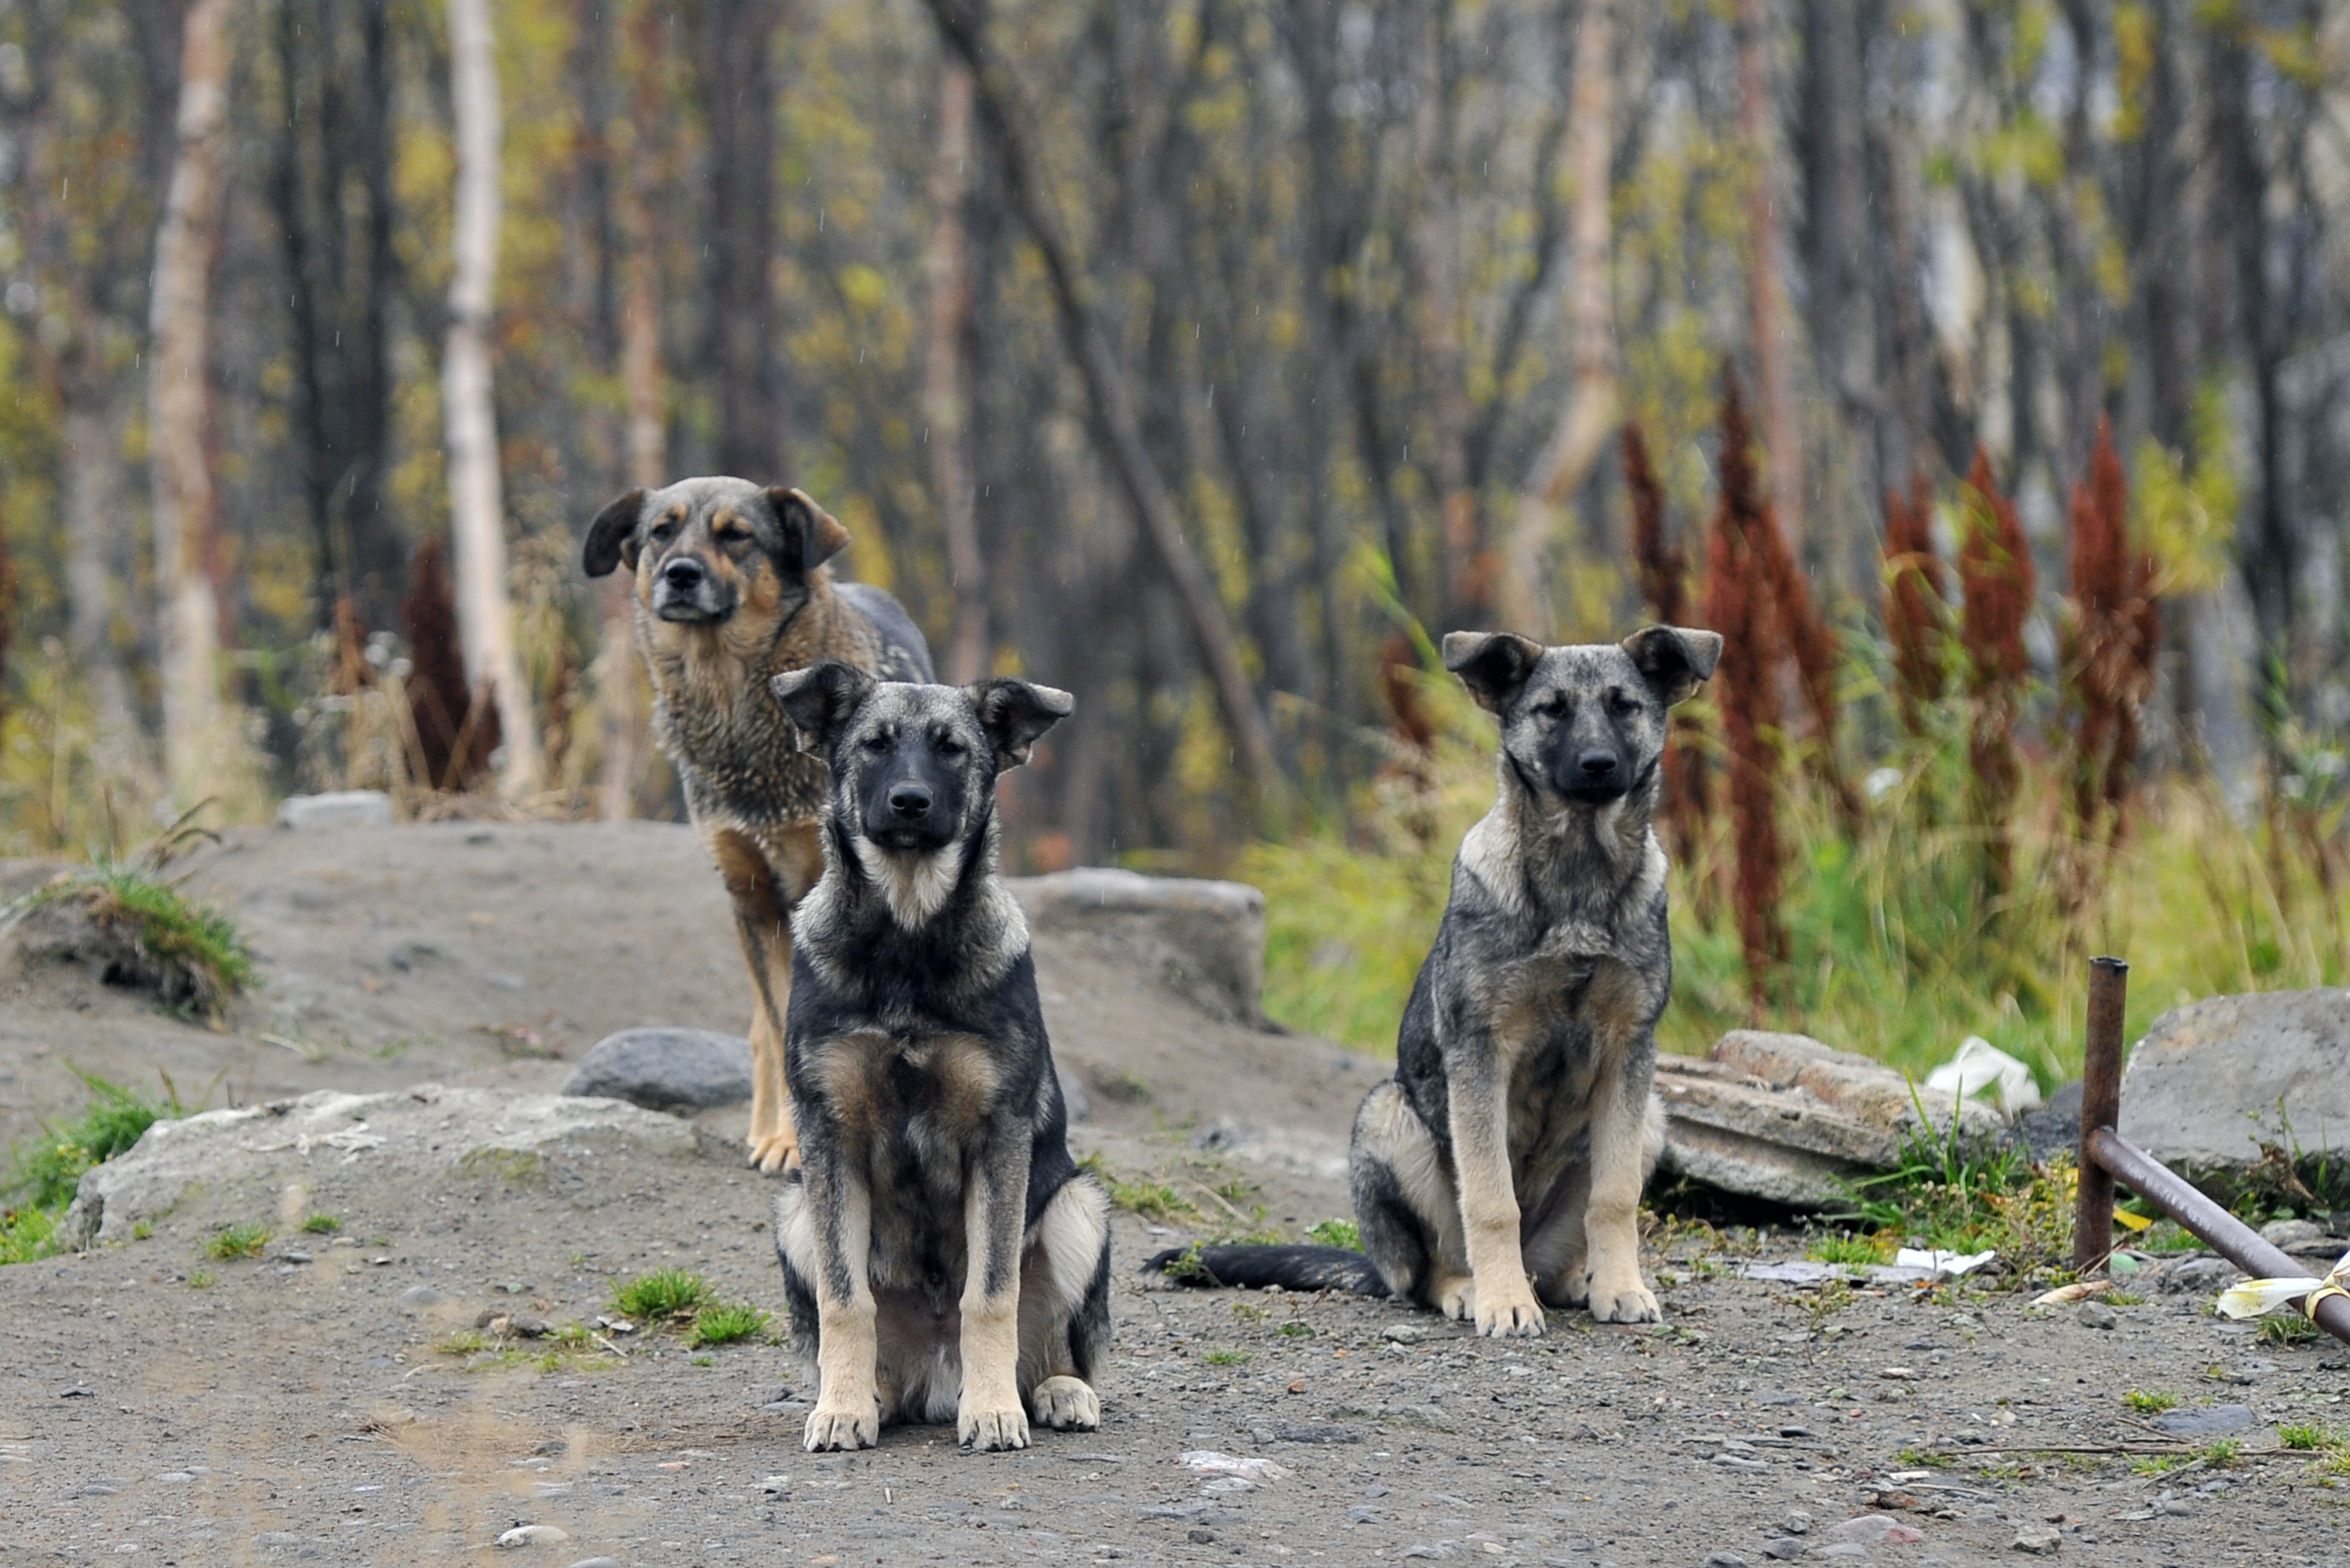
2222, 1231
2101, 1109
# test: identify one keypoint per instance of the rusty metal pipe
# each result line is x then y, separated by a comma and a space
2222, 1231
2101, 1109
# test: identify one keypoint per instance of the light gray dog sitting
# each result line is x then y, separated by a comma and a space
1501, 1168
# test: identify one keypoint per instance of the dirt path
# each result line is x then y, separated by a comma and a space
165, 1408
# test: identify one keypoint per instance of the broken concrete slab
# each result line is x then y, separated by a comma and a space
2217, 1084
271, 1148
1731, 1130
1204, 939
1854, 1084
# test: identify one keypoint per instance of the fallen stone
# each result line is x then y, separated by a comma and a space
256, 1150
2039, 1543
1782, 1548
1878, 1530
1204, 939
1724, 1559
1403, 1333
2302, 1236
2205, 1420
2097, 1314
533, 1535
664, 1069
2214, 1081
1316, 1433
1783, 1117
341, 808
2055, 1127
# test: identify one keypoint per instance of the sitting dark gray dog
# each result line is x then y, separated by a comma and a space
1522, 1122
942, 1255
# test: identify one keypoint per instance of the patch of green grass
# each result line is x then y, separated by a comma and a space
2308, 1440
1845, 1248
1339, 1233
141, 1231
1924, 1459
1227, 1358
1189, 1266
191, 955
2222, 1454
2288, 1328
664, 1295
2146, 1404
44, 1172
465, 1341
703, 1360
235, 1241
1966, 1195
322, 1225
726, 1323
203, 1280
1152, 1200
2159, 1464
1293, 1329
1249, 1312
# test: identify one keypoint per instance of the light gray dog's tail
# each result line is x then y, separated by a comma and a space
1254, 1265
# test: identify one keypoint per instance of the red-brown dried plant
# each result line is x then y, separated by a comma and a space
1411, 766
1663, 568
2115, 626
455, 733
1917, 604
1996, 576
1738, 604
352, 672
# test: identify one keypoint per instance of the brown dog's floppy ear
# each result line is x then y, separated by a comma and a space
1014, 713
612, 537
1676, 661
1494, 665
811, 534
820, 700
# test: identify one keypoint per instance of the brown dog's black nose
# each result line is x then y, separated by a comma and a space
909, 800
684, 574
1596, 764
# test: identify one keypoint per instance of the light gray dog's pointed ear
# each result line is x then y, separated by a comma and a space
612, 537
1494, 665
820, 700
1676, 660
1014, 713
811, 535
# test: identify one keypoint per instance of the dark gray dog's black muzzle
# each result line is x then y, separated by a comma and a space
911, 806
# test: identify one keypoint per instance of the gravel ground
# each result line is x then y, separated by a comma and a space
317, 1402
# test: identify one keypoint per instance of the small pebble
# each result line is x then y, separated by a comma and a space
2039, 1543
1878, 1530
176, 1476
596, 1563
420, 1296
1798, 1522
533, 1535
1201, 1536
2096, 1314
1724, 1559
1404, 1332
1784, 1547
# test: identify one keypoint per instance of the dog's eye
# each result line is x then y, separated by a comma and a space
663, 533
1551, 707
877, 742
949, 747
1620, 703
731, 536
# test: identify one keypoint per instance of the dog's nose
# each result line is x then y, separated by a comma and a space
684, 574
1596, 764
909, 799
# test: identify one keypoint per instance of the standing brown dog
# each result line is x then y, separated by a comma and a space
731, 591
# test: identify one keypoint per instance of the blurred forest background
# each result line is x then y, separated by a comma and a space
1983, 370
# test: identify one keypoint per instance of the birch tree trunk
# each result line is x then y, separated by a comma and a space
476, 501
1782, 432
1588, 416
178, 391
945, 378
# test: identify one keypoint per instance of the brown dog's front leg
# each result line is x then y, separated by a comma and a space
991, 1414
1626, 1133
762, 920
1501, 1301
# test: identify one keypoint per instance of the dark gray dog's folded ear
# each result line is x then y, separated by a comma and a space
1676, 660
612, 537
811, 535
820, 700
1494, 665
1014, 713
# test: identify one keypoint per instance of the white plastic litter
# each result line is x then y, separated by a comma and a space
2255, 1298
1207, 1461
1945, 1264
1980, 1065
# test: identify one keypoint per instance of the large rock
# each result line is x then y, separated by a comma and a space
428, 1128
1205, 940
341, 808
2215, 1080
1784, 1118
666, 1069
